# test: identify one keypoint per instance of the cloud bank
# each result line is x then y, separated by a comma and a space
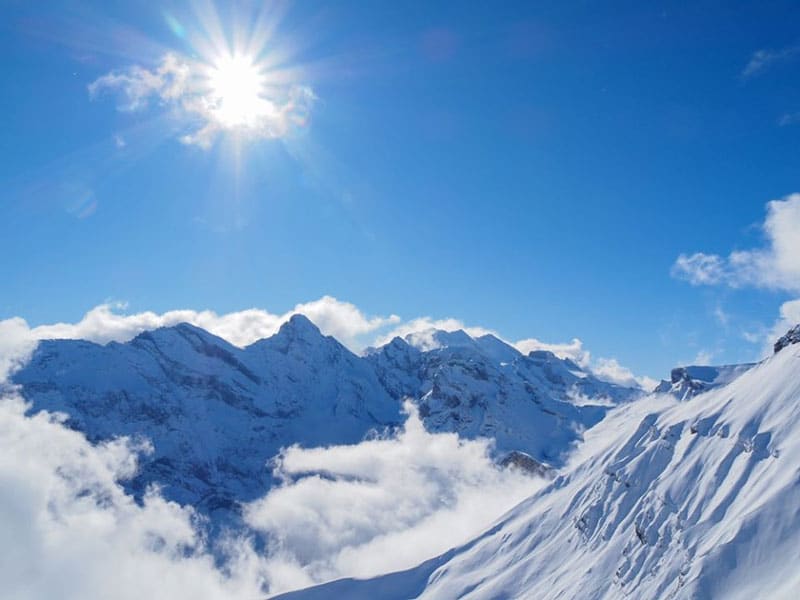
70, 532
381, 505
355, 510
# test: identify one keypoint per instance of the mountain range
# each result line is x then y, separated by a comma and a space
216, 414
691, 491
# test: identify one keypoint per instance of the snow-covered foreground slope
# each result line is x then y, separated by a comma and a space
216, 413
665, 499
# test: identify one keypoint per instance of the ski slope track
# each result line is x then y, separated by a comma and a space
666, 498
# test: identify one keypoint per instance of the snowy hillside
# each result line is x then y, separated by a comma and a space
216, 413
697, 498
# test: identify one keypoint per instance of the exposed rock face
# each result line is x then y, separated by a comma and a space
527, 463
792, 337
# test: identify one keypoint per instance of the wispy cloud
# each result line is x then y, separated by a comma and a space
789, 119
776, 265
761, 60
573, 350
703, 357
207, 100
609, 369
721, 316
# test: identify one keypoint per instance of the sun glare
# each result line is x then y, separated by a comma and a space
237, 92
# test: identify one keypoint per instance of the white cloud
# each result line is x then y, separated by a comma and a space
16, 345
703, 357
342, 320
108, 322
753, 337
789, 316
573, 350
762, 59
700, 268
137, 86
606, 369
789, 119
420, 331
70, 532
774, 266
609, 369
343, 511
381, 505
721, 316
191, 90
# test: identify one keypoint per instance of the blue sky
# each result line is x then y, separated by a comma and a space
533, 168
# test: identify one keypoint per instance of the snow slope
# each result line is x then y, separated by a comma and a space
216, 414
697, 498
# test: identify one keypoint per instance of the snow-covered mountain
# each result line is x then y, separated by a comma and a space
686, 382
697, 497
215, 414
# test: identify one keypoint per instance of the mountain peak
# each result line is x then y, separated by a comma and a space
497, 348
433, 339
300, 326
792, 337
686, 382
171, 334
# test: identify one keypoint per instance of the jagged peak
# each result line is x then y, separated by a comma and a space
688, 381
542, 355
433, 339
395, 345
497, 348
791, 337
300, 326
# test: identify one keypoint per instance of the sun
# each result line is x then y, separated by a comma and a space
236, 85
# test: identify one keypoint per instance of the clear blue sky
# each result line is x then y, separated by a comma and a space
533, 167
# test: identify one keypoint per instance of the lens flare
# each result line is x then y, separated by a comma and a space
237, 92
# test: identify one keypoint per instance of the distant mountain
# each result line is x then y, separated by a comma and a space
216, 414
696, 497
686, 382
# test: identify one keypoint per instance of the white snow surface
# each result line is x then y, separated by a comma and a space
665, 498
